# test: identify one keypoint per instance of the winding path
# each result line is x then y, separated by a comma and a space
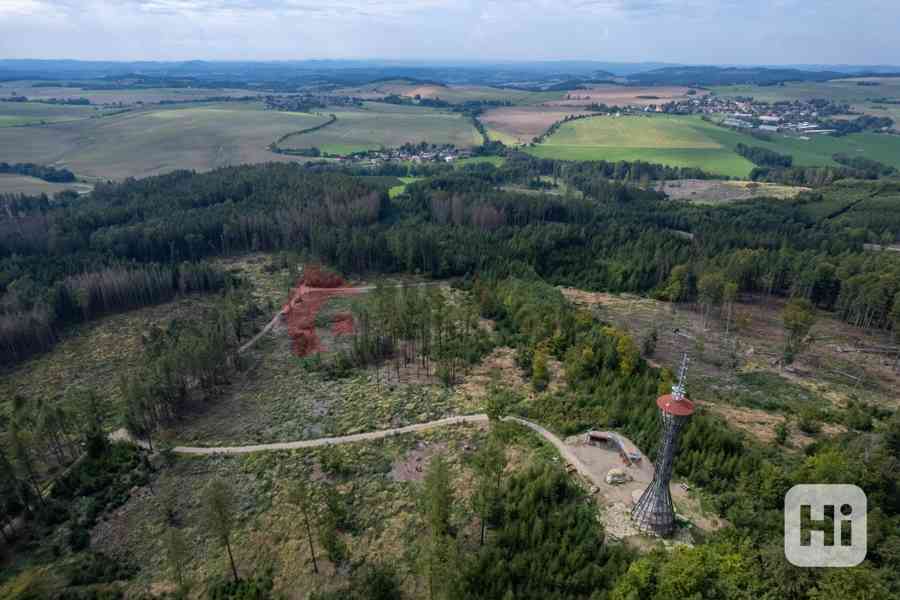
557, 443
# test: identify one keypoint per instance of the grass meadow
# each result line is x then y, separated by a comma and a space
379, 125
839, 90
17, 114
692, 142
140, 143
451, 93
34, 90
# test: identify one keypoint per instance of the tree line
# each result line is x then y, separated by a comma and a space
607, 231
397, 327
764, 157
51, 174
32, 317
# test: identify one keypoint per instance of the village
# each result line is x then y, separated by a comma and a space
416, 153
801, 117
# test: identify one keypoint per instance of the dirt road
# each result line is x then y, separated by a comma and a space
330, 441
557, 443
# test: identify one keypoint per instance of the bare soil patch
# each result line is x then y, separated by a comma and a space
721, 192
498, 368
618, 95
413, 465
307, 300
525, 122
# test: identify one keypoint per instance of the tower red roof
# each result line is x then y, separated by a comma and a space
679, 408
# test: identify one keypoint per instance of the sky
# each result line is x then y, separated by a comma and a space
683, 31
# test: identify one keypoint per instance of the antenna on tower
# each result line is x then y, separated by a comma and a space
654, 512
678, 390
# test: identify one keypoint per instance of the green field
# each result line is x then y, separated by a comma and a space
502, 136
450, 93
147, 142
676, 141
14, 114
379, 125
839, 90
400, 188
497, 161
42, 91
692, 142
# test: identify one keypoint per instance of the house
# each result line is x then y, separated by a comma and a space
768, 128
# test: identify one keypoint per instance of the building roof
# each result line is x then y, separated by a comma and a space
670, 405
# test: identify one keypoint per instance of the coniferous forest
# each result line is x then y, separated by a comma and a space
508, 236
142, 241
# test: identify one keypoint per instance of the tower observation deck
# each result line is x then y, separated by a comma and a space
654, 512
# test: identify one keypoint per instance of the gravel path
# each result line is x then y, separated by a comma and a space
330, 441
557, 443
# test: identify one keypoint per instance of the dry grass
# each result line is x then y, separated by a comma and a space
95, 355
379, 483
618, 95
709, 191
746, 384
524, 123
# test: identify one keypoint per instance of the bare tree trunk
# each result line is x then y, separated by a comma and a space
309, 537
231, 559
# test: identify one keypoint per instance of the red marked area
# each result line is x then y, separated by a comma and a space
309, 297
669, 404
342, 324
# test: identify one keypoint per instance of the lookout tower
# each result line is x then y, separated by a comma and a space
654, 513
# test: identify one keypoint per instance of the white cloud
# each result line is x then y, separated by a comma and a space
700, 31
24, 8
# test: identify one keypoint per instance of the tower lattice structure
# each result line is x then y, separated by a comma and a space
654, 513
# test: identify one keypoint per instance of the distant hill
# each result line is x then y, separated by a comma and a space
292, 75
729, 76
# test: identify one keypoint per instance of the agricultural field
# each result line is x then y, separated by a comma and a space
620, 95
519, 125
17, 114
22, 184
692, 142
398, 189
379, 125
139, 143
838, 90
682, 142
34, 90
455, 94
708, 191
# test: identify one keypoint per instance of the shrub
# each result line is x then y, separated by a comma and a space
259, 588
